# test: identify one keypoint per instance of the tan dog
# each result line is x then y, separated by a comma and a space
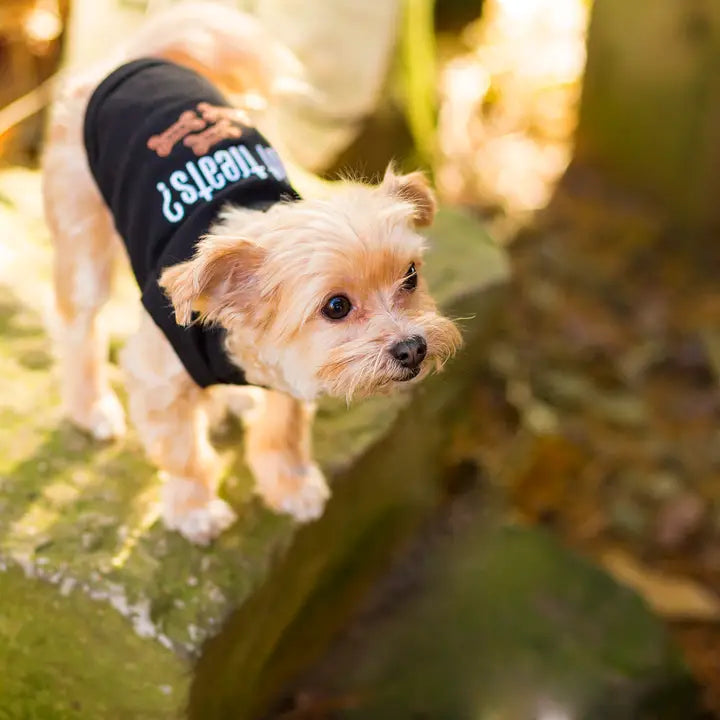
317, 296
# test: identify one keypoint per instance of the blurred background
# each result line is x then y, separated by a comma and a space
586, 137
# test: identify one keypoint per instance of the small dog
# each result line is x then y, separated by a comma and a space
300, 297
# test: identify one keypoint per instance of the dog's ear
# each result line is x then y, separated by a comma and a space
415, 189
221, 276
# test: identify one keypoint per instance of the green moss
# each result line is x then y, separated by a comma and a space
66, 657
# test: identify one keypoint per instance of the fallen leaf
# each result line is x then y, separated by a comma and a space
673, 597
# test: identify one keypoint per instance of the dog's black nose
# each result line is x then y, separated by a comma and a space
411, 352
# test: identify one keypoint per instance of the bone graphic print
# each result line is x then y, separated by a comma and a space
202, 142
164, 143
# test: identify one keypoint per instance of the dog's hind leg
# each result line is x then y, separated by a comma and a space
85, 247
170, 413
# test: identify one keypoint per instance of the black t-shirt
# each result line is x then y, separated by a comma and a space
167, 152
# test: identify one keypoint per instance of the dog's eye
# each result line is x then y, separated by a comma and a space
410, 279
337, 307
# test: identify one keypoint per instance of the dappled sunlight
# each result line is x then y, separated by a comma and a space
47, 509
25, 265
43, 25
26, 261
509, 104
143, 514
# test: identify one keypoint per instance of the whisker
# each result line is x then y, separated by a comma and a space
378, 360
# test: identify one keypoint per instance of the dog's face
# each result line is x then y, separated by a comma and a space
322, 296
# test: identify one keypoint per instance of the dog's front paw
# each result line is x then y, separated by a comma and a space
104, 420
202, 525
307, 501
299, 491
190, 509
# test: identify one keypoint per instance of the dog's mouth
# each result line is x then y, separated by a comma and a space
409, 374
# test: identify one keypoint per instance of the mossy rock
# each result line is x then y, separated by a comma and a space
105, 614
502, 622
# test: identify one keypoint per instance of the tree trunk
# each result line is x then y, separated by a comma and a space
650, 112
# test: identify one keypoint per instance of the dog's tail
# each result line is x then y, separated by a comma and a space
229, 47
